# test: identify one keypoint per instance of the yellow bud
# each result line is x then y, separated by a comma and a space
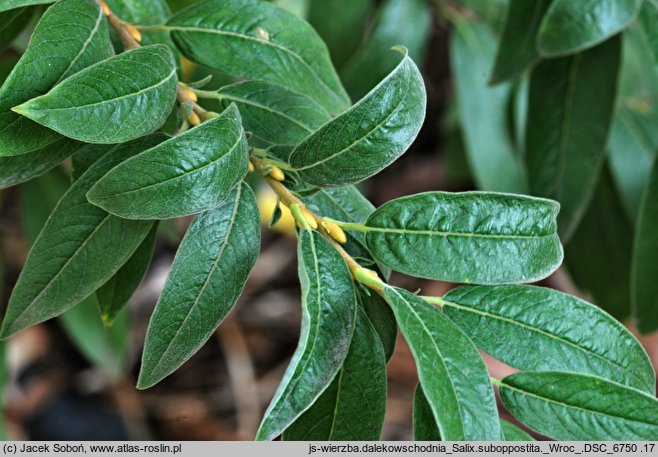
310, 220
276, 173
189, 93
137, 36
106, 9
251, 167
194, 119
335, 232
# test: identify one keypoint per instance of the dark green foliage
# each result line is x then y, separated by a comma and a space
543, 97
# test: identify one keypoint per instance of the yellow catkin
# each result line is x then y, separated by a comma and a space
136, 34
310, 220
194, 119
189, 93
251, 167
276, 173
336, 232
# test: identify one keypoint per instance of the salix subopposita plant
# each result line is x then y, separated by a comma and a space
91, 87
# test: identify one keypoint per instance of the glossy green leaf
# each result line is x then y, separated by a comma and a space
12, 4
569, 27
453, 375
78, 250
482, 112
558, 331
470, 237
517, 49
513, 433
206, 279
598, 255
369, 136
425, 428
341, 25
18, 169
632, 148
644, 287
571, 104
328, 318
576, 407
71, 35
12, 23
104, 347
274, 113
352, 408
398, 22
257, 40
111, 102
115, 293
382, 318
187, 174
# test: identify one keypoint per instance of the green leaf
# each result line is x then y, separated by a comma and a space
399, 22
632, 148
71, 35
470, 237
569, 27
425, 428
352, 408
382, 319
187, 174
12, 4
104, 347
18, 169
274, 113
644, 289
513, 433
453, 375
566, 131
517, 48
38, 199
598, 255
328, 318
206, 279
116, 100
257, 40
12, 23
369, 136
86, 157
78, 250
647, 19
115, 293
341, 25
558, 331
577, 407
483, 113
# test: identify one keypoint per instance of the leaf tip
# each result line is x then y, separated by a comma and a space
401, 49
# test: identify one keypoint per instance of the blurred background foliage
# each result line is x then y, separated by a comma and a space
72, 378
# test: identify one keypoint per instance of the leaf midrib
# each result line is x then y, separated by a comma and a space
183, 175
579, 408
205, 283
102, 102
369, 228
536, 330
61, 270
438, 352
